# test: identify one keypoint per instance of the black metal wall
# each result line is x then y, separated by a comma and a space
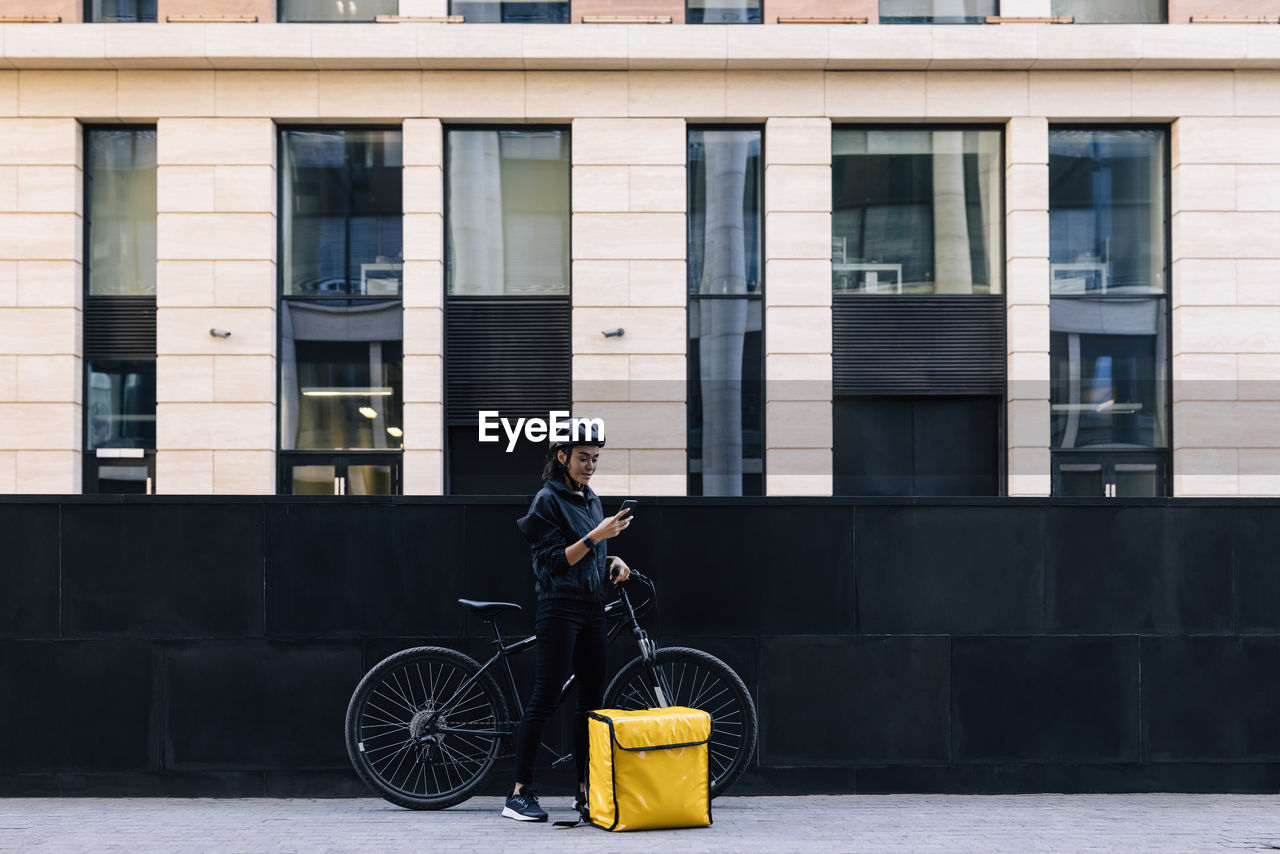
208, 647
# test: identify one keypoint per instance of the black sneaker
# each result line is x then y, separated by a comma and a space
524, 807
580, 804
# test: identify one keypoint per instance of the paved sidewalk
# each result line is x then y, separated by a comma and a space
1128, 824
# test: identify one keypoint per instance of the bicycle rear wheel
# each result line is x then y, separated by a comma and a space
418, 734
698, 680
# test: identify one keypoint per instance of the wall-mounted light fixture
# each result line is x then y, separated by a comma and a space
219, 333
613, 333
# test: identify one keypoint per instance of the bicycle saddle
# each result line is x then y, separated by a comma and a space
488, 610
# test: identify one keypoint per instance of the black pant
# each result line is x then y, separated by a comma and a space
570, 634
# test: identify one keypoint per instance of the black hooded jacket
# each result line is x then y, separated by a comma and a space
558, 518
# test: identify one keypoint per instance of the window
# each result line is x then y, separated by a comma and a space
341, 218
1109, 345
1113, 11
918, 314
726, 316
510, 12
722, 12
120, 310
917, 212
335, 11
508, 227
122, 204
508, 331
120, 11
936, 11
341, 320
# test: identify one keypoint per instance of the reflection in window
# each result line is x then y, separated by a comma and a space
122, 212
508, 212
1106, 211
722, 12
1108, 384
510, 12
325, 11
936, 11
122, 11
917, 211
340, 382
342, 212
121, 405
726, 354
1112, 11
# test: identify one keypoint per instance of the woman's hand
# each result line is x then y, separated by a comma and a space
611, 527
618, 569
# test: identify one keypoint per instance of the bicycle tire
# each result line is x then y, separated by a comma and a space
392, 718
698, 680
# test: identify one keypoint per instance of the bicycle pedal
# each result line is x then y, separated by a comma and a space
568, 757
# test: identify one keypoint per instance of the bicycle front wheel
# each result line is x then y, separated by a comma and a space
698, 680
421, 731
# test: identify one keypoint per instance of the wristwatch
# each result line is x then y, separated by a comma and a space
586, 541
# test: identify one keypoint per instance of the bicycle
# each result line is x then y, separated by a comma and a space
425, 726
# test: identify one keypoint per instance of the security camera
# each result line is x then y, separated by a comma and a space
613, 333
219, 333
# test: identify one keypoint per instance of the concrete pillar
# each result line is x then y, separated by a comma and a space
1027, 258
41, 298
423, 307
629, 273
1225, 298
798, 410
216, 268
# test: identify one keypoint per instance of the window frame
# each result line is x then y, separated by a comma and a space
758, 295
929, 22
446, 261
1164, 298
283, 458
1002, 264
1164, 19
89, 460
280, 18
567, 4
89, 19
727, 23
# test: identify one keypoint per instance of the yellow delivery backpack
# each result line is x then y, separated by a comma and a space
649, 768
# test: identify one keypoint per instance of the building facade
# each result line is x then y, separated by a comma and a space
906, 247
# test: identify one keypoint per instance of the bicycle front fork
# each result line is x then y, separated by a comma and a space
649, 654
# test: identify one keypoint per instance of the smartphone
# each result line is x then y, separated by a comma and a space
629, 504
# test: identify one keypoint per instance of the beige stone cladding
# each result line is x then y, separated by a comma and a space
797, 325
41, 288
1027, 304
1182, 11
629, 273
216, 269
70, 11
423, 307
264, 10
673, 9
1226, 296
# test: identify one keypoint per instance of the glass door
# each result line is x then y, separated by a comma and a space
1109, 476
120, 471
340, 474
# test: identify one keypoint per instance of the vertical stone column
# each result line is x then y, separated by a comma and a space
41, 297
423, 307
629, 273
797, 306
1027, 254
1225, 297
216, 268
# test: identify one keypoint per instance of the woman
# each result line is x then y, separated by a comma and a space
566, 530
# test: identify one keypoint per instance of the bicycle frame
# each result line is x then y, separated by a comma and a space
506, 651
